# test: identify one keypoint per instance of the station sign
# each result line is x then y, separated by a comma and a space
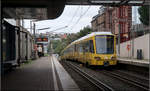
42, 39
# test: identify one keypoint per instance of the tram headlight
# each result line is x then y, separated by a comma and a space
97, 58
113, 58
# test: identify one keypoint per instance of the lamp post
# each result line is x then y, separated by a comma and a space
132, 38
34, 31
32, 28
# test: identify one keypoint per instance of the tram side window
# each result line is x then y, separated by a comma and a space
86, 46
83, 46
69, 50
72, 48
75, 48
91, 46
65, 52
80, 48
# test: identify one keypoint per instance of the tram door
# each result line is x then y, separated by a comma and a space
85, 52
88, 51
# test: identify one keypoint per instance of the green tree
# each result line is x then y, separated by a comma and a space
144, 14
86, 30
58, 45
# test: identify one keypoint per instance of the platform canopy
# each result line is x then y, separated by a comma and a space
50, 9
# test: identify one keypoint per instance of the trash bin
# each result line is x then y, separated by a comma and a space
139, 54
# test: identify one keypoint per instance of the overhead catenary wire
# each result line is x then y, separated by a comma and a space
77, 9
73, 15
80, 17
59, 29
69, 21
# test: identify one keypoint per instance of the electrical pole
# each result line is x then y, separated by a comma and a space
132, 32
34, 32
119, 40
31, 27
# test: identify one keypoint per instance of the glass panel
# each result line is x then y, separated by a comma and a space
91, 46
105, 44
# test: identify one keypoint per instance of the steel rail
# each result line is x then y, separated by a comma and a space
125, 79
100, 85
139, 77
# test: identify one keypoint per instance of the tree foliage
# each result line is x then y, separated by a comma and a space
144, 14
84, 31
58, 45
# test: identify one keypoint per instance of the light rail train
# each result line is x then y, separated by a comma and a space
97, 48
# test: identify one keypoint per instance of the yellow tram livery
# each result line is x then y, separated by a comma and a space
97, 48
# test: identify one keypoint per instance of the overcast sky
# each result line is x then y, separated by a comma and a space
69, 17
75, 17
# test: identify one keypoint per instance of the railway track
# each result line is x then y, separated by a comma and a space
126, 79
100, 85
133, 76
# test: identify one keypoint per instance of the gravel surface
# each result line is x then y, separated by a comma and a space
83, 84
141, 71
113, 82
133, 77
144, 75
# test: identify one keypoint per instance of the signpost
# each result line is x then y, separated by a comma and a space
128, 48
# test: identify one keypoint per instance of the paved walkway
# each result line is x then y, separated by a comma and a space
33, 76
40, 74
137, 62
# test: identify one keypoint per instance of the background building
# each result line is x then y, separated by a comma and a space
110, 18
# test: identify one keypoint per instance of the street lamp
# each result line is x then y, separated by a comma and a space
32, 27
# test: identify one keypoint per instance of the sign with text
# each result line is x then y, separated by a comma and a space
42, 39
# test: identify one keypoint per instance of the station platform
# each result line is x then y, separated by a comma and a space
136, 62
45, 73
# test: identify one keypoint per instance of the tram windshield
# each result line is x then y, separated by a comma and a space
104, 44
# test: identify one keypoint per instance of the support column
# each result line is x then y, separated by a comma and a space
19, 46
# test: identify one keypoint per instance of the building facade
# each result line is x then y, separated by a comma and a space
113, 19
99, 22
